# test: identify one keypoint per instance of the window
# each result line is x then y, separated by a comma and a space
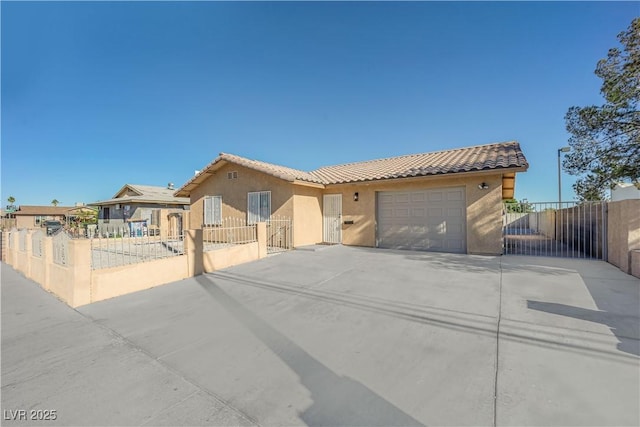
40, 219
212, 210
232, 175
258, 207
106, 214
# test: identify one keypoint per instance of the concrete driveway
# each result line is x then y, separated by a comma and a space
368, 337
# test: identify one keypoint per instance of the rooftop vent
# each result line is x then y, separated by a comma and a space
170, 186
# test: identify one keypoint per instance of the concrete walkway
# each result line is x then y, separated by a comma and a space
342, 336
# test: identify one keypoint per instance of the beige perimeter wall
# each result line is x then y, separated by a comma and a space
623, 233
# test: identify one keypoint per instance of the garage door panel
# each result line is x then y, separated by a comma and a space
401, 198
434, 196
432, 219
418, 197
418, 212
457, 195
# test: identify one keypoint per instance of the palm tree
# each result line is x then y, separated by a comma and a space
11, 200
55, 202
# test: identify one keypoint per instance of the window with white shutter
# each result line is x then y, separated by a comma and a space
212, 210
258, 206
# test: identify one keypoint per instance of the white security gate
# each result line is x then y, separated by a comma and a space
433, 220
332, 218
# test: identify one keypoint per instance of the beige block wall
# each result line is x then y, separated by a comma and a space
112, 282
234, 193
230, 256
623, 232
484, 209
307, 216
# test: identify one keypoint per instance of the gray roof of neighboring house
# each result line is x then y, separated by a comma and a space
504, 155
146, 194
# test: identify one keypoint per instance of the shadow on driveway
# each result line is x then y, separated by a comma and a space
337, 400
618, 323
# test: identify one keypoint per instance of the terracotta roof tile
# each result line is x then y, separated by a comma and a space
469, 159
477, 158
281, 172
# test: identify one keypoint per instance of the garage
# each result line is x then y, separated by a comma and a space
432, 220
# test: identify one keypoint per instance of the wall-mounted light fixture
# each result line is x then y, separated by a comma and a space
355, 196
483, 186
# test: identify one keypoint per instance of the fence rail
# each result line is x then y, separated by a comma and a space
107, 252
279, 234
230, 231
566, 229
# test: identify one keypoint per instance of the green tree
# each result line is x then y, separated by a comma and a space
514, 206
55, 202
605, 139
11, 200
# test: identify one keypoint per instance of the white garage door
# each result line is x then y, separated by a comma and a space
433, 220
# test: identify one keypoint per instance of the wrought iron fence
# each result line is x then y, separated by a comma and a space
36, 243
279, 234
107, 252
230, 231
566, 229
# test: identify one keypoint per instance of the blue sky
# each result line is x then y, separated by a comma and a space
99, 94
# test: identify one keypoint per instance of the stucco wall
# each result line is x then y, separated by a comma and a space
112, 282
38, 271
61, 282
307, 216
229, 256
484, 208
234, 193
623, 232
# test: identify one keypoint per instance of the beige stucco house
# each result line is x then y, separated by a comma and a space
34, 216
449, 201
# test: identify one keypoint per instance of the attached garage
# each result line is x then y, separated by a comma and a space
433, 220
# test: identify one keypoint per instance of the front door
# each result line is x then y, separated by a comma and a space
332, 218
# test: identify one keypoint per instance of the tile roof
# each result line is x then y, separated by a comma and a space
469, 159
282, 172
504, 155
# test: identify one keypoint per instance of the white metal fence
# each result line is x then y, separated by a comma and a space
230, 231
22, 240
107, 252
279, 234
567, 229
36, 243
61, 247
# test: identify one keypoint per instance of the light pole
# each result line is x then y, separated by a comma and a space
561, 150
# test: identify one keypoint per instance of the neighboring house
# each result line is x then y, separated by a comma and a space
449, 201
34, 216
625, 191
134, 205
